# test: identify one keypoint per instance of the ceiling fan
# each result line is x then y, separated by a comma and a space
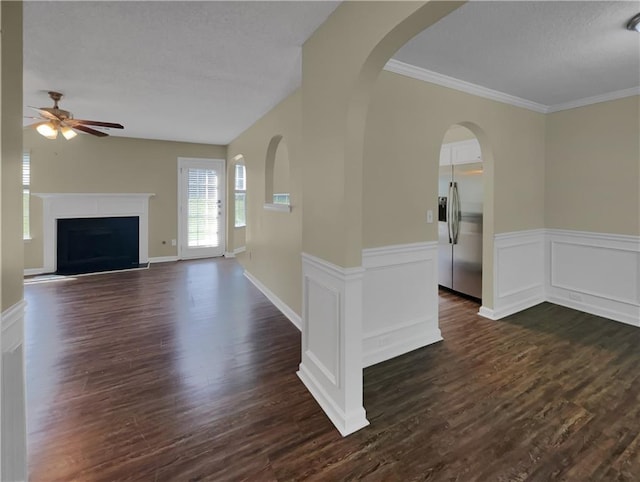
54, 120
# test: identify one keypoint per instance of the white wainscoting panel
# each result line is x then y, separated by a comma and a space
13, 425
400, 300
596, 273
13, 327
91, 205
331, 366
519, 267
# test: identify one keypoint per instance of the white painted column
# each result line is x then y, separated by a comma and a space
331, 366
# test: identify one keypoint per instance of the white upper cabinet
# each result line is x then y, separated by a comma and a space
445, 155
462, 152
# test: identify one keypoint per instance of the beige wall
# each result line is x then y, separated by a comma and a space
273, 239
406, 125
281, 169
457, 133
12, 259
593, 168
111, 165
405, 128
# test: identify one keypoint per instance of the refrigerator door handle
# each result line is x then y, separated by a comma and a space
456, 213
450, 213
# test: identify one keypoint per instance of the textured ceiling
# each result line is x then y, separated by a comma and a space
205, 71
545, 52
188, 71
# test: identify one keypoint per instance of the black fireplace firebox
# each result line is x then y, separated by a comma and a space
89, 245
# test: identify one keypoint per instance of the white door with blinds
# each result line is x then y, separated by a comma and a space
201, 208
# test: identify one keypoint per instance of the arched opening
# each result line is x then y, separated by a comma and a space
277, 189
461, 206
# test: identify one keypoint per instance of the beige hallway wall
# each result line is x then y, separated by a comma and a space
593, 168
273, 239
88, 164
12, 259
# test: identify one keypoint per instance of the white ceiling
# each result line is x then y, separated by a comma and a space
188, 71
205, 71
551, 53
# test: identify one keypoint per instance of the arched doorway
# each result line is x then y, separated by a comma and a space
461, 199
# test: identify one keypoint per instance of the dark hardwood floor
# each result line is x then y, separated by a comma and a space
185, 372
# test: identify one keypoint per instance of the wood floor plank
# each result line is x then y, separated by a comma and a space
185, 372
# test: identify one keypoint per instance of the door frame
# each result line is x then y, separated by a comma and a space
199, 162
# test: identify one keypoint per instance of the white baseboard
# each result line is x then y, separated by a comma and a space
163, 259
345, 423
232, 254
34, 271
521, 305
399, 340
12, 323
276, 301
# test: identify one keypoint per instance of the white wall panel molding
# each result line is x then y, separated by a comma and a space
13, 327
13, 424
518, 272
331, 366
91, 205
400, 300
277, 302
595, 272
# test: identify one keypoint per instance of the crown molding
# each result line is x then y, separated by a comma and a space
444, 80
618, 94
425, 75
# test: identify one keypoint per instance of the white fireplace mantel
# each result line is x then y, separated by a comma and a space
91, 205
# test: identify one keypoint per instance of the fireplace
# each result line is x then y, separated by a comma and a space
58, 207
89, 245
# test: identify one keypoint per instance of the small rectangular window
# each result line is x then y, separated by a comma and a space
282, 198
26, 194
241, 196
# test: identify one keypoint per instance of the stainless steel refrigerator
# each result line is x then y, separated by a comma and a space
460, 199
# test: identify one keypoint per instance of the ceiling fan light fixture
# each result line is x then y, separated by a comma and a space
48, 130
634, 23
68, 133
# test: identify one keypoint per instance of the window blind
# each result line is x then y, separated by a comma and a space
203, 208
26, 194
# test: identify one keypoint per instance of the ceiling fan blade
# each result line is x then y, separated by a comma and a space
111, 125
45, 114
88, 130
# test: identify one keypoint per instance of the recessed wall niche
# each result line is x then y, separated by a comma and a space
277, 190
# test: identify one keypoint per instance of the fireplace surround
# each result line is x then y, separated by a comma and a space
56, 206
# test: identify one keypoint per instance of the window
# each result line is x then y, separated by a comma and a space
26, 194
282, 198
241, 196
202, 207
